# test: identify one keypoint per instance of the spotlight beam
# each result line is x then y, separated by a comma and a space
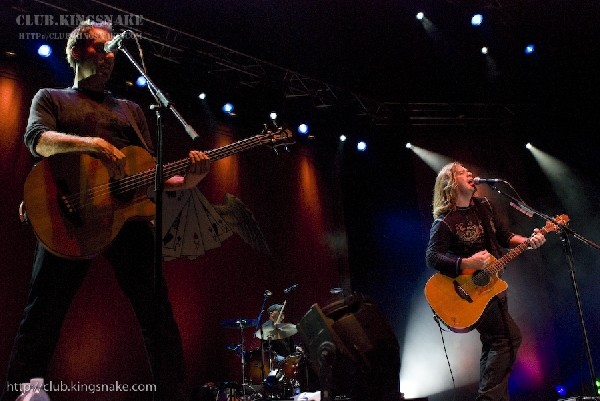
434, 160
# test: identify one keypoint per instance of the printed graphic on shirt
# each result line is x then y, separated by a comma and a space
469, 233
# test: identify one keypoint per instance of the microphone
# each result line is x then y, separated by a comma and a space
268, 293
115, 42
290, 288
478, 180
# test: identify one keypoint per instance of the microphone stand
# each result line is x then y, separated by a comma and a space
163, 103
563, 231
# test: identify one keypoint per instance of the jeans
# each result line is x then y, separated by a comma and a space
500, 339
54, 283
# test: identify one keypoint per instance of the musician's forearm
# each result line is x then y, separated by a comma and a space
53, 142
516, 240
174, 183
179, 182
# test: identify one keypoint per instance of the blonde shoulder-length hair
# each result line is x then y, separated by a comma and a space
444, 190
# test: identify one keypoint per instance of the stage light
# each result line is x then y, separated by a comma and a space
529, 146
361, 146
476, 20
408, 145
227, 108
484, 50
45, 51
420, 16
343, 138
303, 129
202, 96
530, 48
141, 82
561, 390
273, 116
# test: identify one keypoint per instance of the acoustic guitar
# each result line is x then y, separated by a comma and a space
460, 302
76, 210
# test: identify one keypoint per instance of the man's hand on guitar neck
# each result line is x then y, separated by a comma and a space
198, 169
537, 239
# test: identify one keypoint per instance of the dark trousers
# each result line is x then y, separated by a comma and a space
500, 340
55, 282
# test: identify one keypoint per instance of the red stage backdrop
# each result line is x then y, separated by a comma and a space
295, 202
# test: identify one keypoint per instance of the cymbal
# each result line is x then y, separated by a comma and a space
238, 323
277, 331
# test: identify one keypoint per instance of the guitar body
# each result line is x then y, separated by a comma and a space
458, 302
74, 211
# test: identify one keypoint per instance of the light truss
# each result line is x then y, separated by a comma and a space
222, 62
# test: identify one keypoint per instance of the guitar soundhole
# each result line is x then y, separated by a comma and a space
481, 278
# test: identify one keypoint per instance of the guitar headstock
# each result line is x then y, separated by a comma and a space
279, 138
561, 219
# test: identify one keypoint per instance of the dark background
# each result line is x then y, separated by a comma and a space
333, 216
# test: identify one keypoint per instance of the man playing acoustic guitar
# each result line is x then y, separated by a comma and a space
464, 236
87, 119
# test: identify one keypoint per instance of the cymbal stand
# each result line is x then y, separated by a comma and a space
243, 357
259, 328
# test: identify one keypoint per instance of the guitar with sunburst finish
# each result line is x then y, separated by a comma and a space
460, 302
76, 210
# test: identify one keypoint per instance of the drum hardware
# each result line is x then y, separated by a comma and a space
240, 324
267, 374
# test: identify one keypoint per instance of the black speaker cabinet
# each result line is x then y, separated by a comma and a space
359, 344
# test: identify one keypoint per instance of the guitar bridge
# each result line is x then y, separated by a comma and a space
461, 292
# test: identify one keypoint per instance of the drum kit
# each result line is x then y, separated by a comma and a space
266, 375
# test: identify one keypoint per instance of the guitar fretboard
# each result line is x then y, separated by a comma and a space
179, 167
499, 264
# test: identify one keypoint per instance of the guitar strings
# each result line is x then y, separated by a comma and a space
145, 178
495, 267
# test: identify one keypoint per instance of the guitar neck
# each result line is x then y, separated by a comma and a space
179, 167
510, 256
499, 264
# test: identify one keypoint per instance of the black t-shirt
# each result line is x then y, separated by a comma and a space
85, 113
462, 232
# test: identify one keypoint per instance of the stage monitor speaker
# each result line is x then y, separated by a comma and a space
352, 337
